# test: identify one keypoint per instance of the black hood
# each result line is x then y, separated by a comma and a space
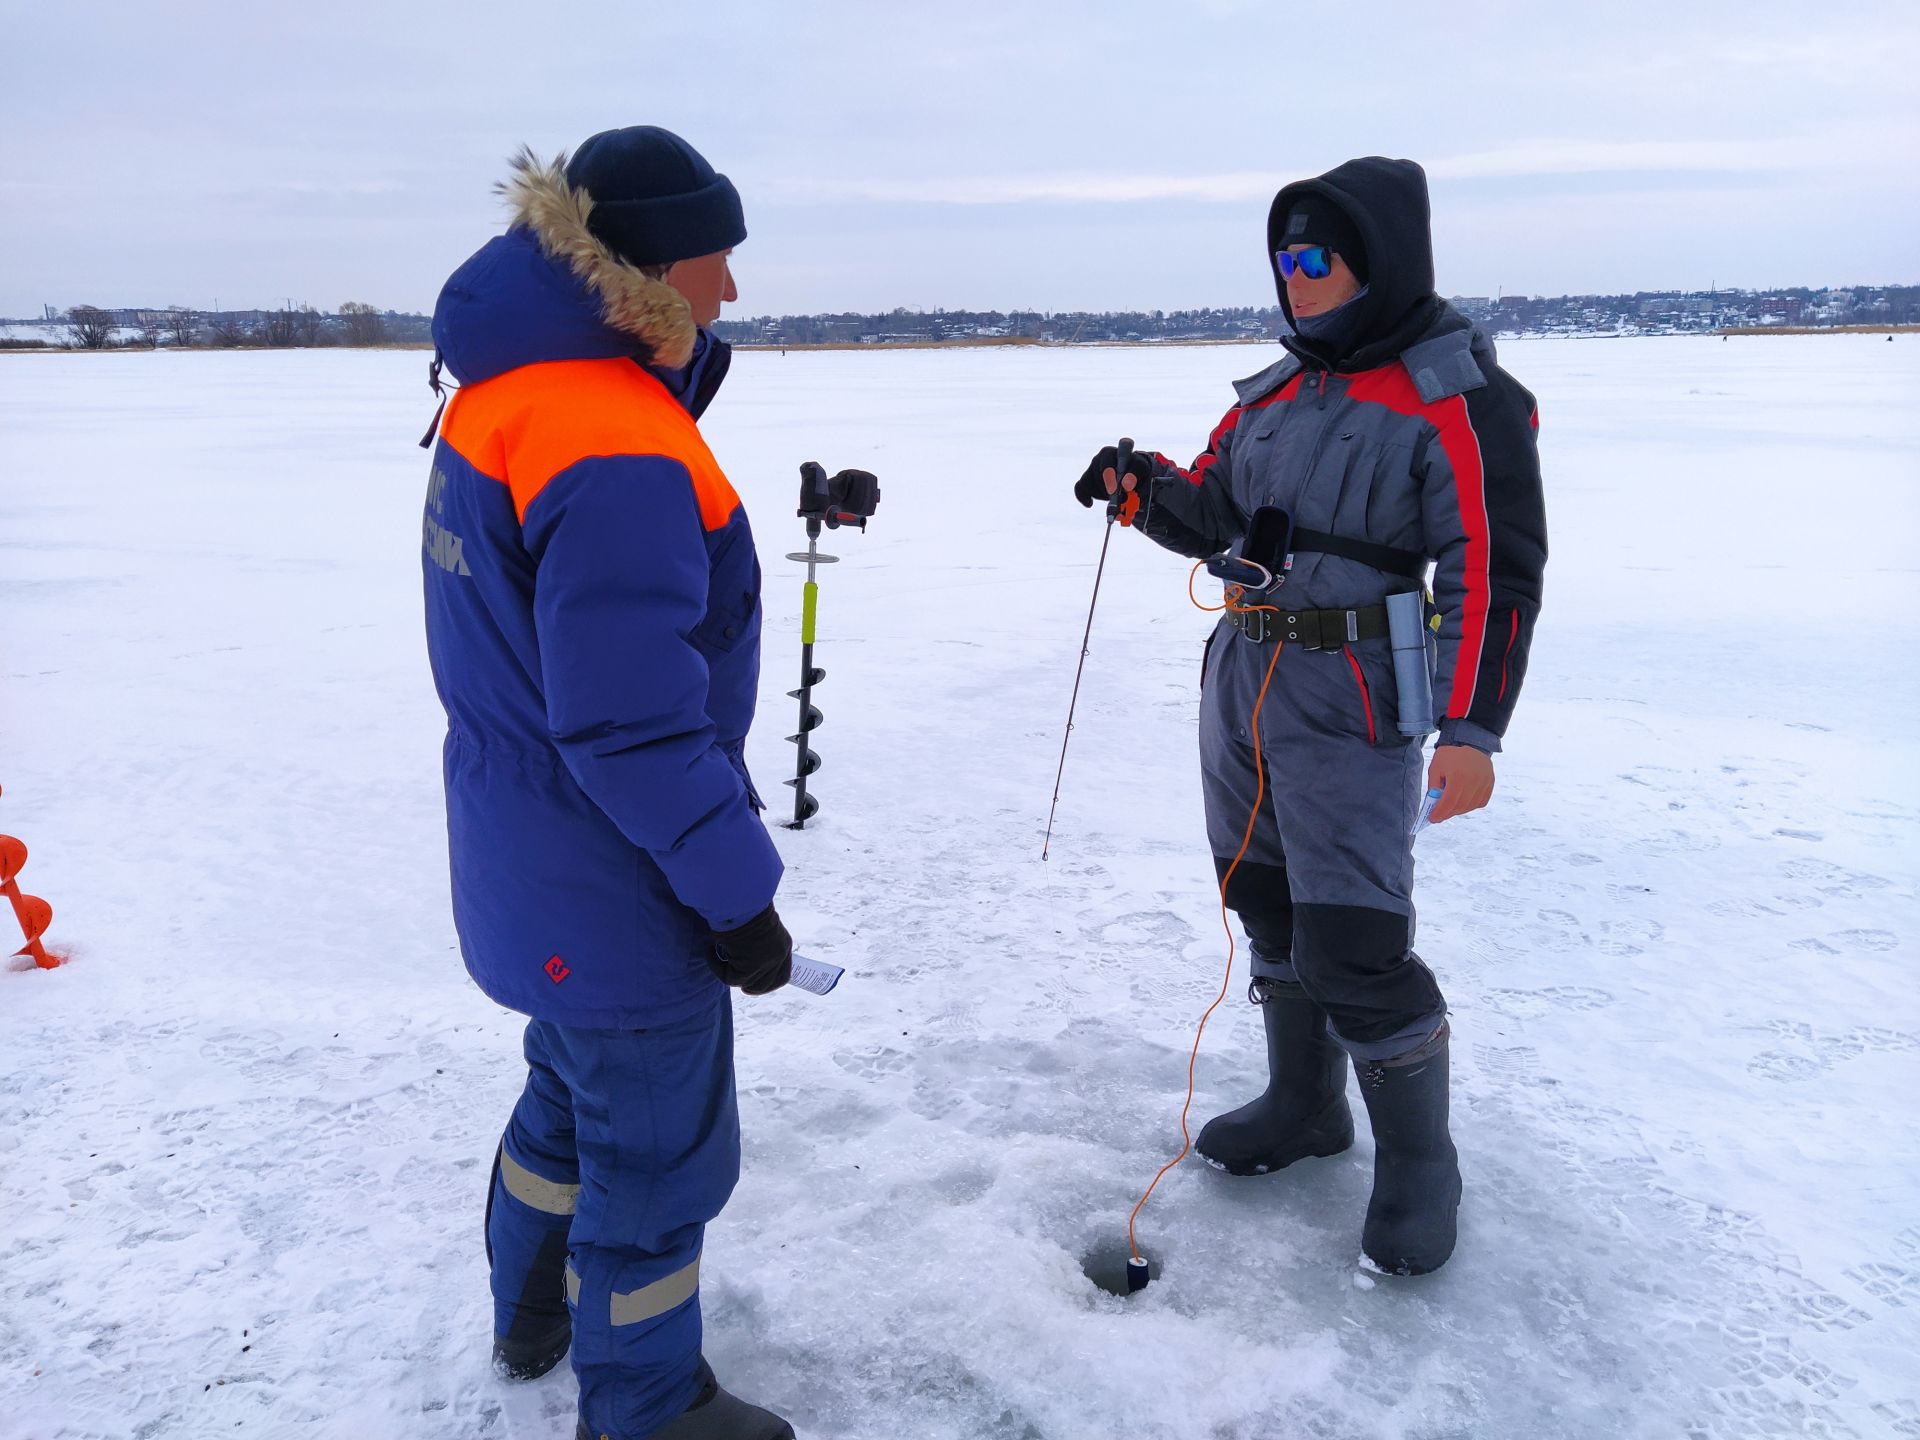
1387, 202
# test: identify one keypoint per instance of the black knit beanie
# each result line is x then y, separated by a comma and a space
1316, 220
655, 197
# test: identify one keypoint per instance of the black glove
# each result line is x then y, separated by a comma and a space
758, 957
1092, 487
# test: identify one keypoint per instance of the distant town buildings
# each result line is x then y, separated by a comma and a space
1642, 313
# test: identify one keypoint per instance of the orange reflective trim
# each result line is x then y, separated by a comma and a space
526, 426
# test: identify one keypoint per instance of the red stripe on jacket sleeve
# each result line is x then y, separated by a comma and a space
1203, 462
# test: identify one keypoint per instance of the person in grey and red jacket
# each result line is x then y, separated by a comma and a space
1390, 439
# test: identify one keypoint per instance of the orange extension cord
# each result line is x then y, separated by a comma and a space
1232, 603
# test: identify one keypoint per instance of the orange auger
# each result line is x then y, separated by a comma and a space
33, 913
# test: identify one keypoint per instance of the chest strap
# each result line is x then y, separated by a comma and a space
1409, 563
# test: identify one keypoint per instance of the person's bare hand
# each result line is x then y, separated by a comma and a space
1464, 775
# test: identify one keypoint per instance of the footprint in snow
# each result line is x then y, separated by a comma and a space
876, 1064
1813, 947
1874, 1038
1678, 842
1892, 1285
1867, 939
1510, 1066
1816, 1307
1629, 937
1831, 879
1529, 1004
1155, 929
1785, 1067
1760, 1358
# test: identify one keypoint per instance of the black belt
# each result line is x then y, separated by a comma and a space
1311, 629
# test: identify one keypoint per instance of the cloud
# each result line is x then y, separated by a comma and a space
1030, 189
1628, 157
1537, 159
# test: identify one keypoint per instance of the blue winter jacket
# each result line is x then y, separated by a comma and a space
593, 620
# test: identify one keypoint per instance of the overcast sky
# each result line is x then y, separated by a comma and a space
980, 154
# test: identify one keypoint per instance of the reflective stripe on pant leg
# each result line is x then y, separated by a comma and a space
649, 1301
551, 1196
659, 1146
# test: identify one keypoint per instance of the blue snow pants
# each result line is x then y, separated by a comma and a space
623, 1145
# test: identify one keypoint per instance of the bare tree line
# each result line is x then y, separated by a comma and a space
92, 327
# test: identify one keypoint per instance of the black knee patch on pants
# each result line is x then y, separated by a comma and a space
1259, 895
1358, 965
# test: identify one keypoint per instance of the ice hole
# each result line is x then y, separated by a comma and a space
1106, 1265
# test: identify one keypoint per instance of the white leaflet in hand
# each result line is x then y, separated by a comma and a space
814, 976
1426, 810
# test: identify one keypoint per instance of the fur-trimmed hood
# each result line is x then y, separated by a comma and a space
549, 290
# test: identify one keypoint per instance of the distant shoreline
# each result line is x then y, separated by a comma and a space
1816, 330
980, 342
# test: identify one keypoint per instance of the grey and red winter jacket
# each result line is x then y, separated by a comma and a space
1416, 440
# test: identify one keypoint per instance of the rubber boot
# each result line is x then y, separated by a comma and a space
1411, 1218
714, 1415
1304, 1110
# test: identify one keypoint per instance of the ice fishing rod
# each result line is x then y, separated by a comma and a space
1116, 504
848, 498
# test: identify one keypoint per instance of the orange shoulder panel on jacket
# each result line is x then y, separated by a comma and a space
526, 426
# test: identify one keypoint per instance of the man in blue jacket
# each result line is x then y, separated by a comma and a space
593, 620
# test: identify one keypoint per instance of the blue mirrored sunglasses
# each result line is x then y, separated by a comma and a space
1315, 262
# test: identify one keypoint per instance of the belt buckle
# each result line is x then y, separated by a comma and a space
1253, 625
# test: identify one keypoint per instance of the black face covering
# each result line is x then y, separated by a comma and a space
1336, 331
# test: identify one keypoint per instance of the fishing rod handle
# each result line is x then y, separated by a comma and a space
1122, 458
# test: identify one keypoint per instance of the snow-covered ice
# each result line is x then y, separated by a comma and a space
244, 1136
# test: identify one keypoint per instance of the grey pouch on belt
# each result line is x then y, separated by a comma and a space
1407, 631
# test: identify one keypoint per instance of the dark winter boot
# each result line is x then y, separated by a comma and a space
1416, 1171
528, 1357
1304, 1110
714, 1415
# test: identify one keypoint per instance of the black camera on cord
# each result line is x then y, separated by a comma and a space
1258, 562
